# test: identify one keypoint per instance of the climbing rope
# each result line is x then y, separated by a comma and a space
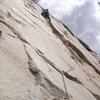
64, 85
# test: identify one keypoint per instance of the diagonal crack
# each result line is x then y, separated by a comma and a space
32, 66
14, 31
30, 62
95, 95
23, 18
34, 15
69, 44
69, 30
53, 65
72, 78
40, 77
85, 45
47, 60
89, 76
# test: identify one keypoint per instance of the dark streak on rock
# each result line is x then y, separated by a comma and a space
53, 65
95, 95
47, 60
69, 44
33, 15
90, 78
32, 66
85, 45
15, 32
68, 30
23, 19
0, 35
54, 90
72, 78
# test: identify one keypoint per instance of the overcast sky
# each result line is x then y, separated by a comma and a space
81, 16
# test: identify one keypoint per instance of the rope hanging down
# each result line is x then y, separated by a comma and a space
65, 85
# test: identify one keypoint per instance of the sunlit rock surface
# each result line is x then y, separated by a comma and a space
42, 60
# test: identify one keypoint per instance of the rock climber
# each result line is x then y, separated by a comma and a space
45, 14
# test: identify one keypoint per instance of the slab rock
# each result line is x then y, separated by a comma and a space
43, 60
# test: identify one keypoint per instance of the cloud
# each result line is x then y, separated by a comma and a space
81, 16
85, 23
60, 8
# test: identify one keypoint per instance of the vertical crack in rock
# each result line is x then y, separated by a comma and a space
69, 44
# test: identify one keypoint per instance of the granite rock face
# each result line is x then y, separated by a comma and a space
41, 60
